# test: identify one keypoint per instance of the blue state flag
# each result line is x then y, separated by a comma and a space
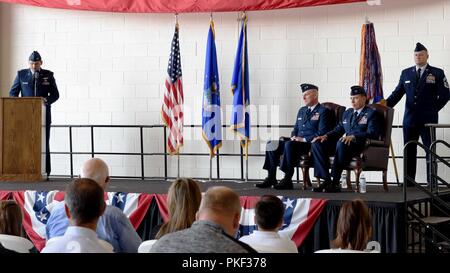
211, 114
240, 116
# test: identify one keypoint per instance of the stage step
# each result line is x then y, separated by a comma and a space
434, 220
443, 246
444, 192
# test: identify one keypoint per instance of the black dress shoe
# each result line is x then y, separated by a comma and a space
333, 188
267, 183
322, 186
285, 184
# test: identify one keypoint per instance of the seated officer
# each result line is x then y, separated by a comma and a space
358, 124
313, 120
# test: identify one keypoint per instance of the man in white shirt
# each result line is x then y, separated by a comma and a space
269, 213
84, 204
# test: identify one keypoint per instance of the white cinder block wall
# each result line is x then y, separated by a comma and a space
110, 69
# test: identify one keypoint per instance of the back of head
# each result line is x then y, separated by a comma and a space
85, 200
222, 206
183, 200
220, 201
10, 218
354, 226
97, 170
269, 212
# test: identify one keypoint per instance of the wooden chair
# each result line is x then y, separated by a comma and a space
375, 155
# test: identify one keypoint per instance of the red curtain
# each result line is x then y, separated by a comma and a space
176, 6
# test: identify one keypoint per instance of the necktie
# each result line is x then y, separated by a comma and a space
418, 73
354, 117
308, 111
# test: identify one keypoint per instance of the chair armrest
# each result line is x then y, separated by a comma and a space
374, 142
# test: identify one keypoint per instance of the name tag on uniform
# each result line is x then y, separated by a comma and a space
407, 81
315, 117
24, 82
363, 120
431, 78
344, 122
299, 119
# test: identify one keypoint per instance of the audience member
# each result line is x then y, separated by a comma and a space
10, 218
113, 226
84, 204
183, 200
354, 227
216, 224
269, 212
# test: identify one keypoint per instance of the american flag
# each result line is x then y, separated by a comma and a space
172, 108
299, 217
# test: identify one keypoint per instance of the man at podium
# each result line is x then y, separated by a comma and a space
37, 82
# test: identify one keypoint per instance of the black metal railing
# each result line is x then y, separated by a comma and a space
165, 154
434, 165
414, 217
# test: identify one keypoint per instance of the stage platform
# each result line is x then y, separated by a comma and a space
387, 208
375, 193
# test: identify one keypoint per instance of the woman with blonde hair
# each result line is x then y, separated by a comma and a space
183, 199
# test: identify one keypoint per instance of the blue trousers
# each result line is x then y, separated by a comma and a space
286, 154
413, 133
343, 156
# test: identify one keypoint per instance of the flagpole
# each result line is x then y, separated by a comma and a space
395, 164
246, 160
210, 168
178, 165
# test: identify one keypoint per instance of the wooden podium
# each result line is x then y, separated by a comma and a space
22, 139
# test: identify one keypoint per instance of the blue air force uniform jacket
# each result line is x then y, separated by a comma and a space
365, 126
46, 87
424, 96
316, 123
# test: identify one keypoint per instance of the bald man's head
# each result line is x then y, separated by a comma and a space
97, 170
221, 199
222, 206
